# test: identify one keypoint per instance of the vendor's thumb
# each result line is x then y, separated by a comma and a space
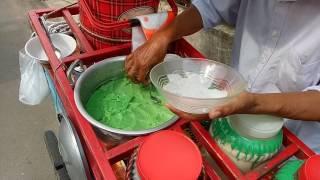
214, 114
222, 111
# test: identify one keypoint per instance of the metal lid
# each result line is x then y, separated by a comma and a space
169, 155
310, 169
256, 126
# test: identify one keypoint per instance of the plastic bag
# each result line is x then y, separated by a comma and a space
33, 85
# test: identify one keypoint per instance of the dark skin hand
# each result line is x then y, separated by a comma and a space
296, 105
139, 63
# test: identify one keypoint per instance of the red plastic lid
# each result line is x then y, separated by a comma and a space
310, 170
169, 155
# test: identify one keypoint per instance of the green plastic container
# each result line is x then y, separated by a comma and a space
289, 170
243, 151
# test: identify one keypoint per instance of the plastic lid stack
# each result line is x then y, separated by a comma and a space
167, 155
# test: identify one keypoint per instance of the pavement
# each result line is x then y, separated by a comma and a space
23, 154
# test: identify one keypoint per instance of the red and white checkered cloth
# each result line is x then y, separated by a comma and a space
111, 11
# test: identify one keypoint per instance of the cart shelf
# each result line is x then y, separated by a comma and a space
101, 158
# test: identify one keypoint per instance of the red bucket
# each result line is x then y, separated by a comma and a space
104, 22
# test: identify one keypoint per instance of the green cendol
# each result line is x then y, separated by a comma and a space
122, 104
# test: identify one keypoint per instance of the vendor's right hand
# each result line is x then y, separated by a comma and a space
139, 63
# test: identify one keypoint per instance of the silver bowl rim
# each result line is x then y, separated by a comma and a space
200, 60
96, 123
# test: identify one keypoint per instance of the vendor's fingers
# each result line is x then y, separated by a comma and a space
132, 73
147, 78
222, 111
215, 114
187, 116
142, 75
129, 69
128, 62
128, 66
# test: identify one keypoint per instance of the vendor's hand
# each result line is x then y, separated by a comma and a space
242, 104
187, 116
139, 63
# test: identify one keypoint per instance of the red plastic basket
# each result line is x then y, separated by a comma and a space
99, 18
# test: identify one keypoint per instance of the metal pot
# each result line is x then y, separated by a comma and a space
94, 77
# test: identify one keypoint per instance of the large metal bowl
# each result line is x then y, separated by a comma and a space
94, 77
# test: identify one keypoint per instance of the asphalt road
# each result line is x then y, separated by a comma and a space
22, 150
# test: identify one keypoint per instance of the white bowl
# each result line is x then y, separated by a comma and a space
66, 44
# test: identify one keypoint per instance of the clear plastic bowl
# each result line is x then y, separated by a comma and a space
196, 85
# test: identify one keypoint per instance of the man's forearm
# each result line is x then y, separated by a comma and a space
299, 105
186, 23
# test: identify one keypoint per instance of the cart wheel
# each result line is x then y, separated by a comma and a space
52, 146
71, 151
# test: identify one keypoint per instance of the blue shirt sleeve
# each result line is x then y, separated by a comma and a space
214, 12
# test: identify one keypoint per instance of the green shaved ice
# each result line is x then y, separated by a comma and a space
124, 105
289, 170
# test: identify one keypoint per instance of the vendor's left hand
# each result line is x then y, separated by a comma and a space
242, 104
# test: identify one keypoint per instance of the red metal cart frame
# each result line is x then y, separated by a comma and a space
99, 158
